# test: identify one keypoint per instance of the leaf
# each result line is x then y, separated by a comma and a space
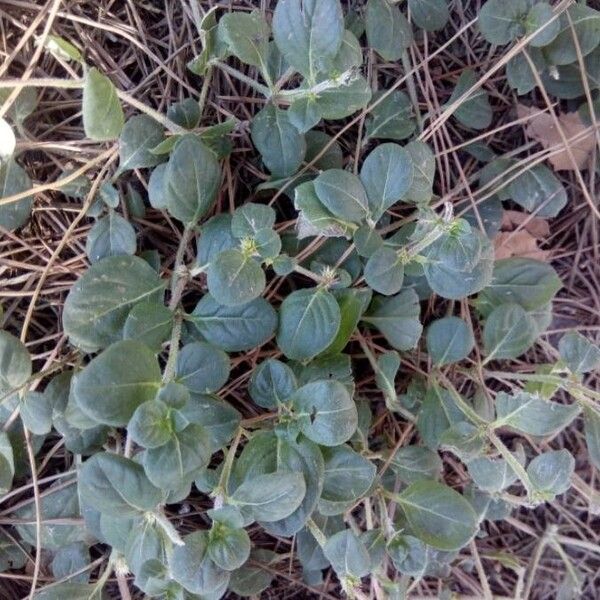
580, 21
281, 146
150, 323
423, 159
185, 113
475, 111
15, 364
388, 31
449, 340
384, 271
391, 118
234, 328
140, 134
102, 113
116, 382
438, 515
532, 415
247, 36
341, 101
73, 591
520, 235
68, 560
36, 413
352, 303
508, 332
229, 548
14, 180
430, 15
235, 278
270, 497
326, 412
191, 179
202, 368
491, 475
150, 426
437, 413
97, 306
113, 485
7, 470
529, 283
215, 237
591, 423
272, 383
416, 463
408, 554
318, 142
348, 477
252, 579
397, 317
347, 555
180, 460
308, 34
250, 218
539, 18
342, 194
539, 191
308, 323
304, 113
387, 174
542, 128
501, 22
550, 473
111, 235
580, 355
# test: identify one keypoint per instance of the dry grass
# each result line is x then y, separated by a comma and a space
144, 46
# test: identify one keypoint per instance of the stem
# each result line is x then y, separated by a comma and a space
204, 89
221, 489
317, 533
412, 92
259, 87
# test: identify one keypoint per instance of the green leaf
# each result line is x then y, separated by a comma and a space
272, 383
270, 497
386, 371
234, 328
151, 424
149, 323
580, 21
202, 368
281, 146
388, 31
304, 113
397, 317
501, 22
309, 321
524, 281
347, 555
68, 560
36, 413
7, 470
532, 415
116, 485
352, 303
102, 113
73, 591
116, 382
387, 174
97, 306
539, 16
326, 412
185, 113
250, 218
384, 271
580, 355
491, 475
342, 194
317, 143
139, 135
508, 332
235, 278
591, 424
475, 111
348, 477
391, 118
409, 555
464, 440
247, 37
437, 413
15, 364
252, 579
180, 460
415, 463
308, 34
111, 235
215, 237
228, 548
430, 15
550, 473
344, 100
191, 566
539, 191
449, 340
423, 159
438, 515
191, 179
14, 180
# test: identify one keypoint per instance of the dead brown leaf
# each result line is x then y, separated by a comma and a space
520, 236
541, 127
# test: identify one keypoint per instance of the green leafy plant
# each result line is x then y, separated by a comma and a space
356, 248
